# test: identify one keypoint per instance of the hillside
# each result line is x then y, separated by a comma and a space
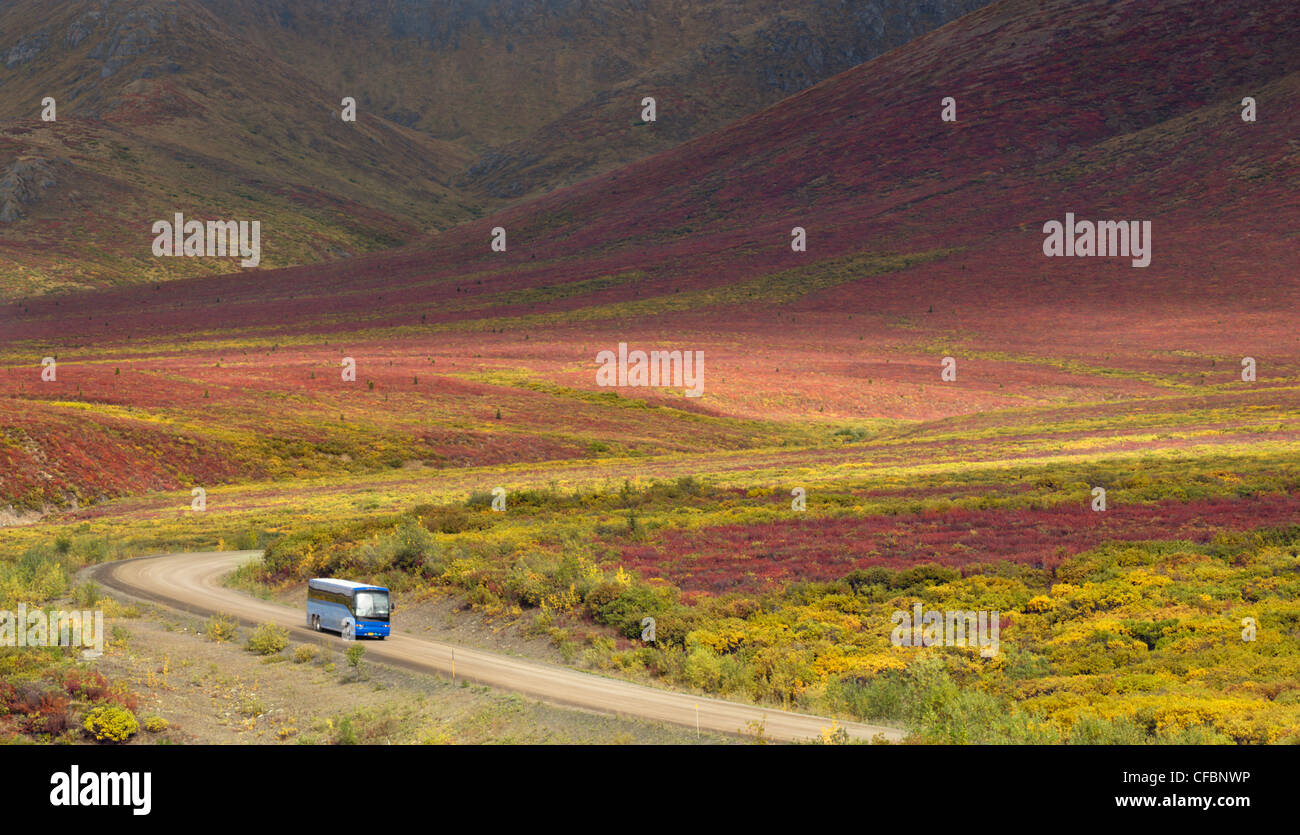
729, 76
864, 163
161, 110
924, 241
229, 108
486, 73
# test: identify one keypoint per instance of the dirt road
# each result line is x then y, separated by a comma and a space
192, 582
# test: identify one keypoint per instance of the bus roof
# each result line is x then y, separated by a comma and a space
331, 583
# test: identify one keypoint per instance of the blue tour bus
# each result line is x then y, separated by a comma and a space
354, 610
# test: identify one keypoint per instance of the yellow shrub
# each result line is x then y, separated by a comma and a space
1040, 603
110, 723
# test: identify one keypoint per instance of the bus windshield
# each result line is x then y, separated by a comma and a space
372, 604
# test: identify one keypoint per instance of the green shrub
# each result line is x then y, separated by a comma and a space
1094, 730
248, 540
268, 639
704, 669
155, 724
88, 594
627, 607
221, 628
304, 653
868, 699
448, 519
405, 549
346, 733
251, 706
863, 578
